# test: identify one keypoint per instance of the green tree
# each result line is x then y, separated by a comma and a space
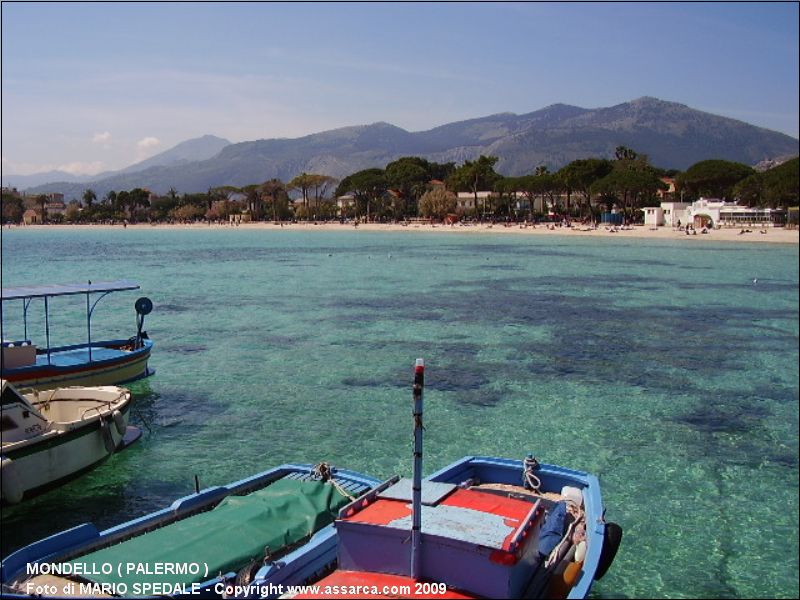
409, 176
368, 187
254, 202
161, 207
321, 184
475, 176
12, 207
303, 184
43, 207
139, 204
506, 189
623, 153
580, 175
777, 187
712, 178
781, 184
89, 197
274, 195
633, 187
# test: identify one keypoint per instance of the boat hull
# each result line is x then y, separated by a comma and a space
329, 551
55, 460
70, 366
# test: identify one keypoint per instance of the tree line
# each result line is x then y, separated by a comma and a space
415, 187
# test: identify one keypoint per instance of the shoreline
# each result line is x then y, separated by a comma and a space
774, 235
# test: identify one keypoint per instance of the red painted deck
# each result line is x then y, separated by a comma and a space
384, 511
358, 584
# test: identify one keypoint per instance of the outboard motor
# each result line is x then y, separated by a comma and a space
143, 307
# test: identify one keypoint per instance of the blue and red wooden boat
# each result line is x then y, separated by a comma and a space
481, 527
92, 363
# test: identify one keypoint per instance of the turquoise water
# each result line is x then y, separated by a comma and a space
659, 366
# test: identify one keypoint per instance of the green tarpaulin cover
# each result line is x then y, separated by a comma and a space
225, 538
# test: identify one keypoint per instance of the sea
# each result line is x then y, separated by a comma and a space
667, 368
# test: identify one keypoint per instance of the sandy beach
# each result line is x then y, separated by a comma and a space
776, 235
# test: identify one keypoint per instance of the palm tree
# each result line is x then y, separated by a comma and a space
42, 202
89, 197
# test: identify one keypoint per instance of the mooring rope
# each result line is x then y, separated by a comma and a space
323, 472
532, 482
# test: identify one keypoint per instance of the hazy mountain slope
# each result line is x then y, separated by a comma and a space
201, 148
196, 149
22, 182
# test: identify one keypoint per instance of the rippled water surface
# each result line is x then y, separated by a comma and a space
662, 367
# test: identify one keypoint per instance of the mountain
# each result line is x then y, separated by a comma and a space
192, 150
672, 135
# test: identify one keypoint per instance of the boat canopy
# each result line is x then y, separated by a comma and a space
28, 293
49, 291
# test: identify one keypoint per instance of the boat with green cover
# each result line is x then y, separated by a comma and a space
217, 535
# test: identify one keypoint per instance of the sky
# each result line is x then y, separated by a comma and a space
90, 87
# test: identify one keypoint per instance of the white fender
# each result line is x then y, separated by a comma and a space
108, 438
119, 422
12, 491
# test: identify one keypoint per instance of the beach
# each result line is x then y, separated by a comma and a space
776, 235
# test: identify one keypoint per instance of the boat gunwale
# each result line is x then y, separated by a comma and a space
72, 430
129, 355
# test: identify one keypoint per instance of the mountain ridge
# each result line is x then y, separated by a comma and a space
673, 135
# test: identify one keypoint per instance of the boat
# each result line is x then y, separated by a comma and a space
52, 436
480, 527
106, 362
199, 545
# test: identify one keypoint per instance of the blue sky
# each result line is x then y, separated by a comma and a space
98, 86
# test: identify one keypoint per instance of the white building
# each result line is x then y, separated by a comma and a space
345, 203
669, 214
711, 212
466, 201
741, 216
674, 213
653, 215
705, 212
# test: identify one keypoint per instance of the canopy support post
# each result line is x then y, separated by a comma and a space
47, 327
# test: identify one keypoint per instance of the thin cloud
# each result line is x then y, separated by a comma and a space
102, 138
82, 168
148, 142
